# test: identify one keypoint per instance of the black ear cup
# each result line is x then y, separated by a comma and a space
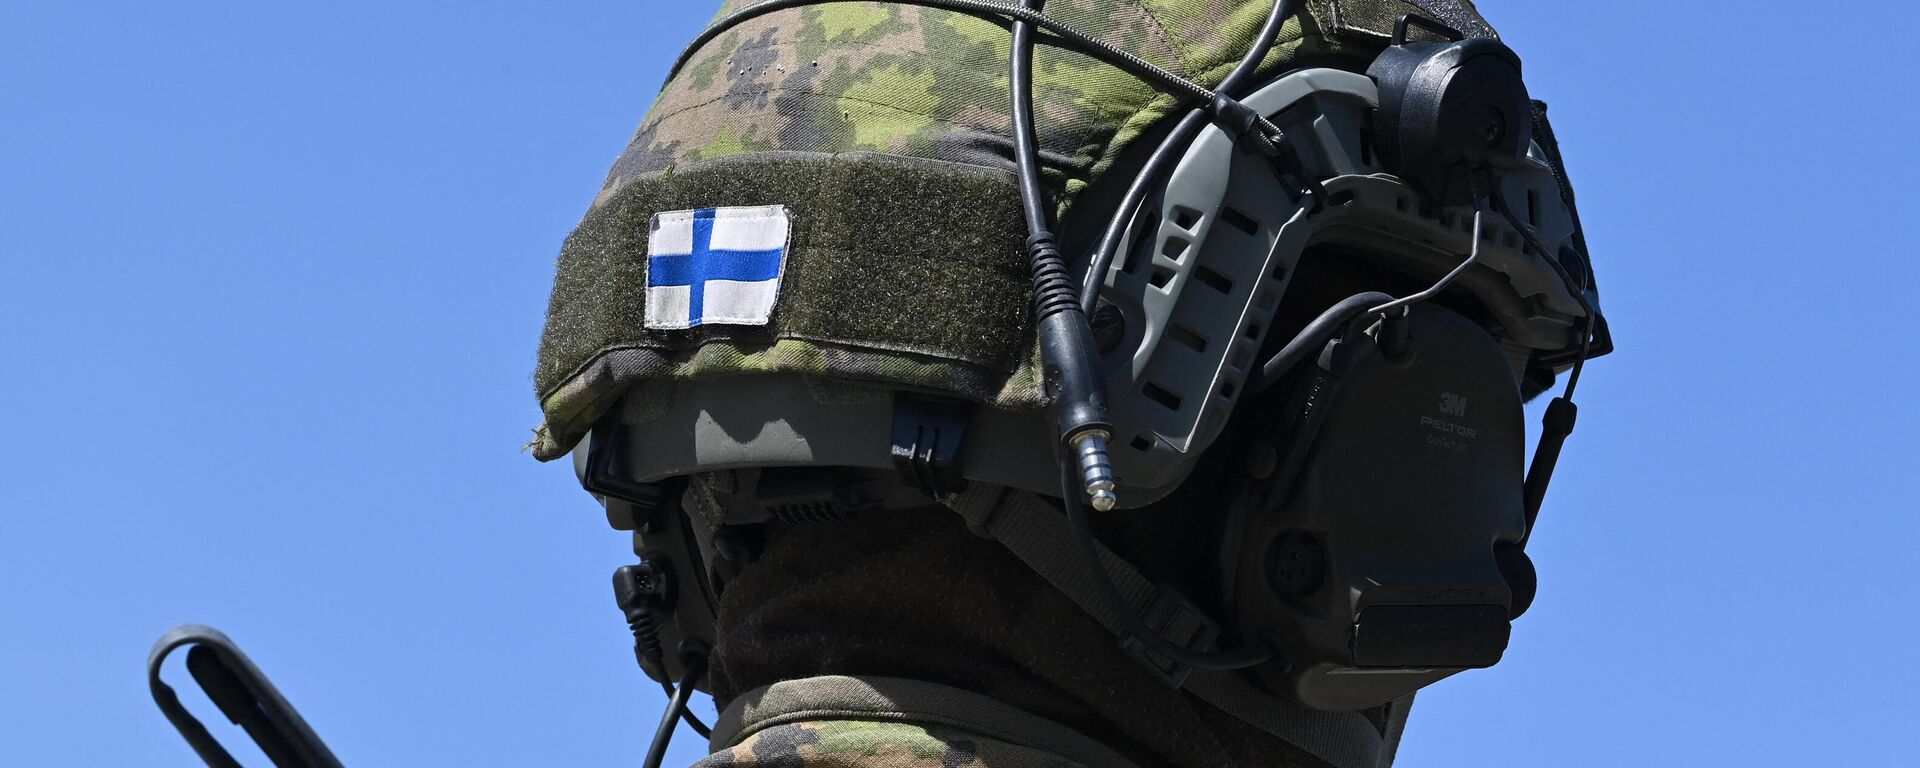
1384, 554
1449, 111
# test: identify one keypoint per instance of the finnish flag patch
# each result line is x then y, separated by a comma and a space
716, 266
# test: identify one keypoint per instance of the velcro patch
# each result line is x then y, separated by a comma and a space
719, 266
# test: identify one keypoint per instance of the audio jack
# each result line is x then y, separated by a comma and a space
1096, 469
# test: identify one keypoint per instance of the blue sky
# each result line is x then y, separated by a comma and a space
271, 277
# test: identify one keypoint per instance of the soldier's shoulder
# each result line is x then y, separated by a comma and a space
875, 744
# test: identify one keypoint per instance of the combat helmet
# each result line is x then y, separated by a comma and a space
846, 266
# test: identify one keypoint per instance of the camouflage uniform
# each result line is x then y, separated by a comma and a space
866, 744
862, 722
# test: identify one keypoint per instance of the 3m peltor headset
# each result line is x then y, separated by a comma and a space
1375, 542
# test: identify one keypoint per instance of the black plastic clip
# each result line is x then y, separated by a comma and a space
1243, 123
927, 433
1180, 622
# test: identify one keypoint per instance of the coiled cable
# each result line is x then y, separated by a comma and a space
1175, 145
992, 9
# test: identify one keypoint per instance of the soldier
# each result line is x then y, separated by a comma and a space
798, 323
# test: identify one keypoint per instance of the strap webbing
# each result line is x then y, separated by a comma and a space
1038, 535
1395, 724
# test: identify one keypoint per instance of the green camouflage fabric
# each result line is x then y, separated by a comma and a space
864, 744
910, 82
906, 80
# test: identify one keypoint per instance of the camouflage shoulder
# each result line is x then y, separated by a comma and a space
876, 744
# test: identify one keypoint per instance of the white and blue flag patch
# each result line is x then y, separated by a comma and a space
717, 266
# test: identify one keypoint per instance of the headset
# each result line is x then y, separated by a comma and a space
1374, 522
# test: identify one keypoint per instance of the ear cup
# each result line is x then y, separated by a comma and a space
1386, 544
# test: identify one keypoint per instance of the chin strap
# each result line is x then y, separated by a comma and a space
1037, 533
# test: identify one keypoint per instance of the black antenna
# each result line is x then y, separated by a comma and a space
242, 693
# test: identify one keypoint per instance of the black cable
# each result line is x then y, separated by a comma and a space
1174, 145
646, 643
1131, 627
1315, 336
1578, 287
693, 720
693, 666
1026, 151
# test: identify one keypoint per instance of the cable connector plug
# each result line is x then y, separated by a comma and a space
641, 591
1096, 469
1068, 357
